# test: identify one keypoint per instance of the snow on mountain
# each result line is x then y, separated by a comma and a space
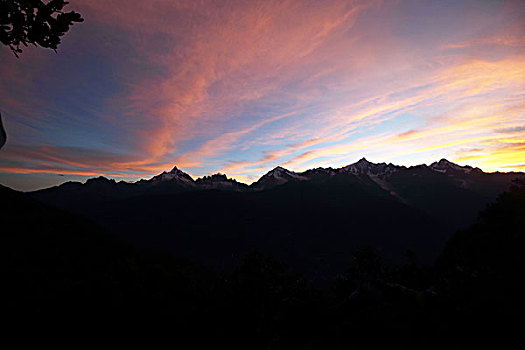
444, 165
377, 172
177, 180
281, 174
174, 175
364, 167
219, 181
277, 176
319, 172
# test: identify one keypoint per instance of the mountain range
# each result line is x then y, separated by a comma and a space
177, 181
313, 219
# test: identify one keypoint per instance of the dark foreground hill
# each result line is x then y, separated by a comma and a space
62, 275
312, 220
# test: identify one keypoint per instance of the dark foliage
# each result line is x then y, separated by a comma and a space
481, 270
35, 22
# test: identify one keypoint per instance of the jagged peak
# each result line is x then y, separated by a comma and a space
444, 164
363, 161
219, 181
100, 179
176, 170
215, 177
279, 169
360, 165
321, 169
277, 176
221, 175
173, 174
277, 172
365, 167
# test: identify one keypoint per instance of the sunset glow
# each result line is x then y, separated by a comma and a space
240, 87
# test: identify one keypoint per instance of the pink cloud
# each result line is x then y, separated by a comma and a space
242, 52
288, 82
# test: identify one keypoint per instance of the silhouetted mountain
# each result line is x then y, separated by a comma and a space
175, 175
401, 182
220, 182
363, 166
60, 269
312, 220
446, 166
276, 177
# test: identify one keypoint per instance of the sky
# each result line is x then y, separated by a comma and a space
240, 87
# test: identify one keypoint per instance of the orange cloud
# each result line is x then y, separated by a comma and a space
245, 52
472, 123
77, 161
247, 85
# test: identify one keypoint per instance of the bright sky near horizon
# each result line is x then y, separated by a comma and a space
239, 87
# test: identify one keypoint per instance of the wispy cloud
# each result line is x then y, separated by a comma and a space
242, 86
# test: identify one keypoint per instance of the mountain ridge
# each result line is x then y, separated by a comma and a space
312, 219
280, 175
440, 187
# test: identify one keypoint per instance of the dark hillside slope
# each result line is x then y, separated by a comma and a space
58, 269
482, 269
312, 220
314, 226
443, 196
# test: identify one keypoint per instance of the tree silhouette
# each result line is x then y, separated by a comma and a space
24, 22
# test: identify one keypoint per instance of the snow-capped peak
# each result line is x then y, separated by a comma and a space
277, 176
363, 166
174, 175
359, 167
363, 161
278, 170
443, 165
282, 173
220, 181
